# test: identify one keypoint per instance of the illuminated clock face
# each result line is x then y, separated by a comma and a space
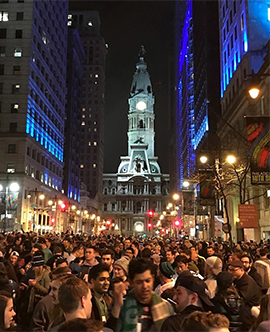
141, 105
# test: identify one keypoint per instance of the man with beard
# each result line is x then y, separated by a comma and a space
143, 310
99, 279
250, 269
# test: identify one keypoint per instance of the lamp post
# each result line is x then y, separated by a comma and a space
6, 200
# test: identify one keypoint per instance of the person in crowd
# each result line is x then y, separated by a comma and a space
120, 268
250, 269
148, 309
47, 312
227, 300
213, 266
146, 253
205, 322
247, 288
99, 279
264, 314
190, 295
130, 253
82, 325
165, 274
47, 252
181, 264
57, 251
170, 255
74, 254
7, 313
127, 243
136, 248
262, 265
107, 257
202, 249
90, 261
211, 251
67, 243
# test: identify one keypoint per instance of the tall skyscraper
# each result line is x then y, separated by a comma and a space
33, 47
92, 112
197, 82
139, 186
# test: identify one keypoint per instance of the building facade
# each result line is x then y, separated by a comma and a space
244, 48
33, 47
138, 186
93, 105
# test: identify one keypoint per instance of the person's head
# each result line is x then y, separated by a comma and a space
107, 257
181, 263
190, 290
165, 270
210, 251
75, 298
120, 268
56, 282
42, 242
36, 247
130, 252
247, 262
90, 254
60, 261
155, 259
7, 312
135, 246
99, 278
205, 322
194, 253
170, 255
157, 249
141, 277
263, 252
82, 325
67, 243
127, 243
213, 266
224, 281
236, 268
146, 253
237, 255
57, 250
14, 257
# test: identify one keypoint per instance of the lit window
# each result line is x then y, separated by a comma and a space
90, 23
83, 123
83, 109
95, 129
96, 75
83, 116
18, 52
89, 143
95, 143
69, 16
10, 168
69, 23
4, 16
96, 82
82, 165
94, 165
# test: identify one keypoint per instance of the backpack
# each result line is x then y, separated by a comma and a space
263, 268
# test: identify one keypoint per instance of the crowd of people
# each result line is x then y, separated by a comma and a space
68, 282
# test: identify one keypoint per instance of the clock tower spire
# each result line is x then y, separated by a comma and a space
141, 111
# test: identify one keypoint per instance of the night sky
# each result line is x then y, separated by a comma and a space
125, 25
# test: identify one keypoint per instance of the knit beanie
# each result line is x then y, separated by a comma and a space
38, 259
215, 264
123, 262
167, 269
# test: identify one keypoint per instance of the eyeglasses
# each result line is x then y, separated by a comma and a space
233, 269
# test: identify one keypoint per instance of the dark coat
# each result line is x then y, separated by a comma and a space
256, 276
174, 323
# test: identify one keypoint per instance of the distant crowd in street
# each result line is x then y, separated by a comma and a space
74, 282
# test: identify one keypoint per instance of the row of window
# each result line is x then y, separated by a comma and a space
37, 156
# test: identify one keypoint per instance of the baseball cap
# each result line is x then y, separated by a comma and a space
195, 285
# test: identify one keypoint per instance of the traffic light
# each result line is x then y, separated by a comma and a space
150, 213
177, 223
149, 225
109, 222
52, 220
63, 206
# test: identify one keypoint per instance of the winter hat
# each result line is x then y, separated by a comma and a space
224, 280
215, 264
123, 262
167, 269
38, 259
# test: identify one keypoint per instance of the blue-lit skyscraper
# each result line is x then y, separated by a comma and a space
197, 83
33, 47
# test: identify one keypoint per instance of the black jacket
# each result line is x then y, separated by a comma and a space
173, 323
256, 276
